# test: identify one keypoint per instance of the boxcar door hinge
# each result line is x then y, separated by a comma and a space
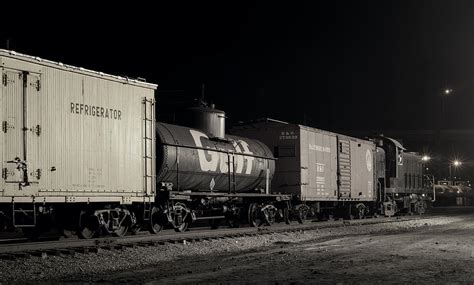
37, 85
4, 79
38, 174
4, 173
37, 130
4, 126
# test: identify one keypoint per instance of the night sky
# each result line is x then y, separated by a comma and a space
339, 65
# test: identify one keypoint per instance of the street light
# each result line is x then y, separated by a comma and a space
425, 158
456, 163
446, 93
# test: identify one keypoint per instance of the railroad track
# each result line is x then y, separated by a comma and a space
44, 249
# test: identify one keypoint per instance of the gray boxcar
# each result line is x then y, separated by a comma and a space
316, 165
73, 135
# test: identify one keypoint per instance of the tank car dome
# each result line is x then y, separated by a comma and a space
205, 118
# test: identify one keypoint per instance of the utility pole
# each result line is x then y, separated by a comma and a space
450, 180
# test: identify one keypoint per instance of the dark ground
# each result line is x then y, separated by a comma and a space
436, 250
432, 249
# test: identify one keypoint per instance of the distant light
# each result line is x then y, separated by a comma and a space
425, 158
457, 163
448, 91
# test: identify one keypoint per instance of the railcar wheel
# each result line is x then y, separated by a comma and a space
156, 220
89, 226
286, 215
254, 217
123, 220
182, 227
361, 211
269, 213
121, 231
179, 217
302, 211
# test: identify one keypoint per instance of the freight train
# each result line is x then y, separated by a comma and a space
83, 152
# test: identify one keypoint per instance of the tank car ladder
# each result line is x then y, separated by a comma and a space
148, 155
231, 172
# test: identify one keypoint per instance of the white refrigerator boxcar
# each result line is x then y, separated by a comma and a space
73, 135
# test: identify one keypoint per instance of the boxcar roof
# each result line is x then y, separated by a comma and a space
70, 68
269, 121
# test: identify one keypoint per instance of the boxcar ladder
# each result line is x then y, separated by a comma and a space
148, 153
344, 168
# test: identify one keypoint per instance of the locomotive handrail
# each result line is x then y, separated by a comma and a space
434, 191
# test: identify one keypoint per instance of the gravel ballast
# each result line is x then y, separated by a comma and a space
110, 264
